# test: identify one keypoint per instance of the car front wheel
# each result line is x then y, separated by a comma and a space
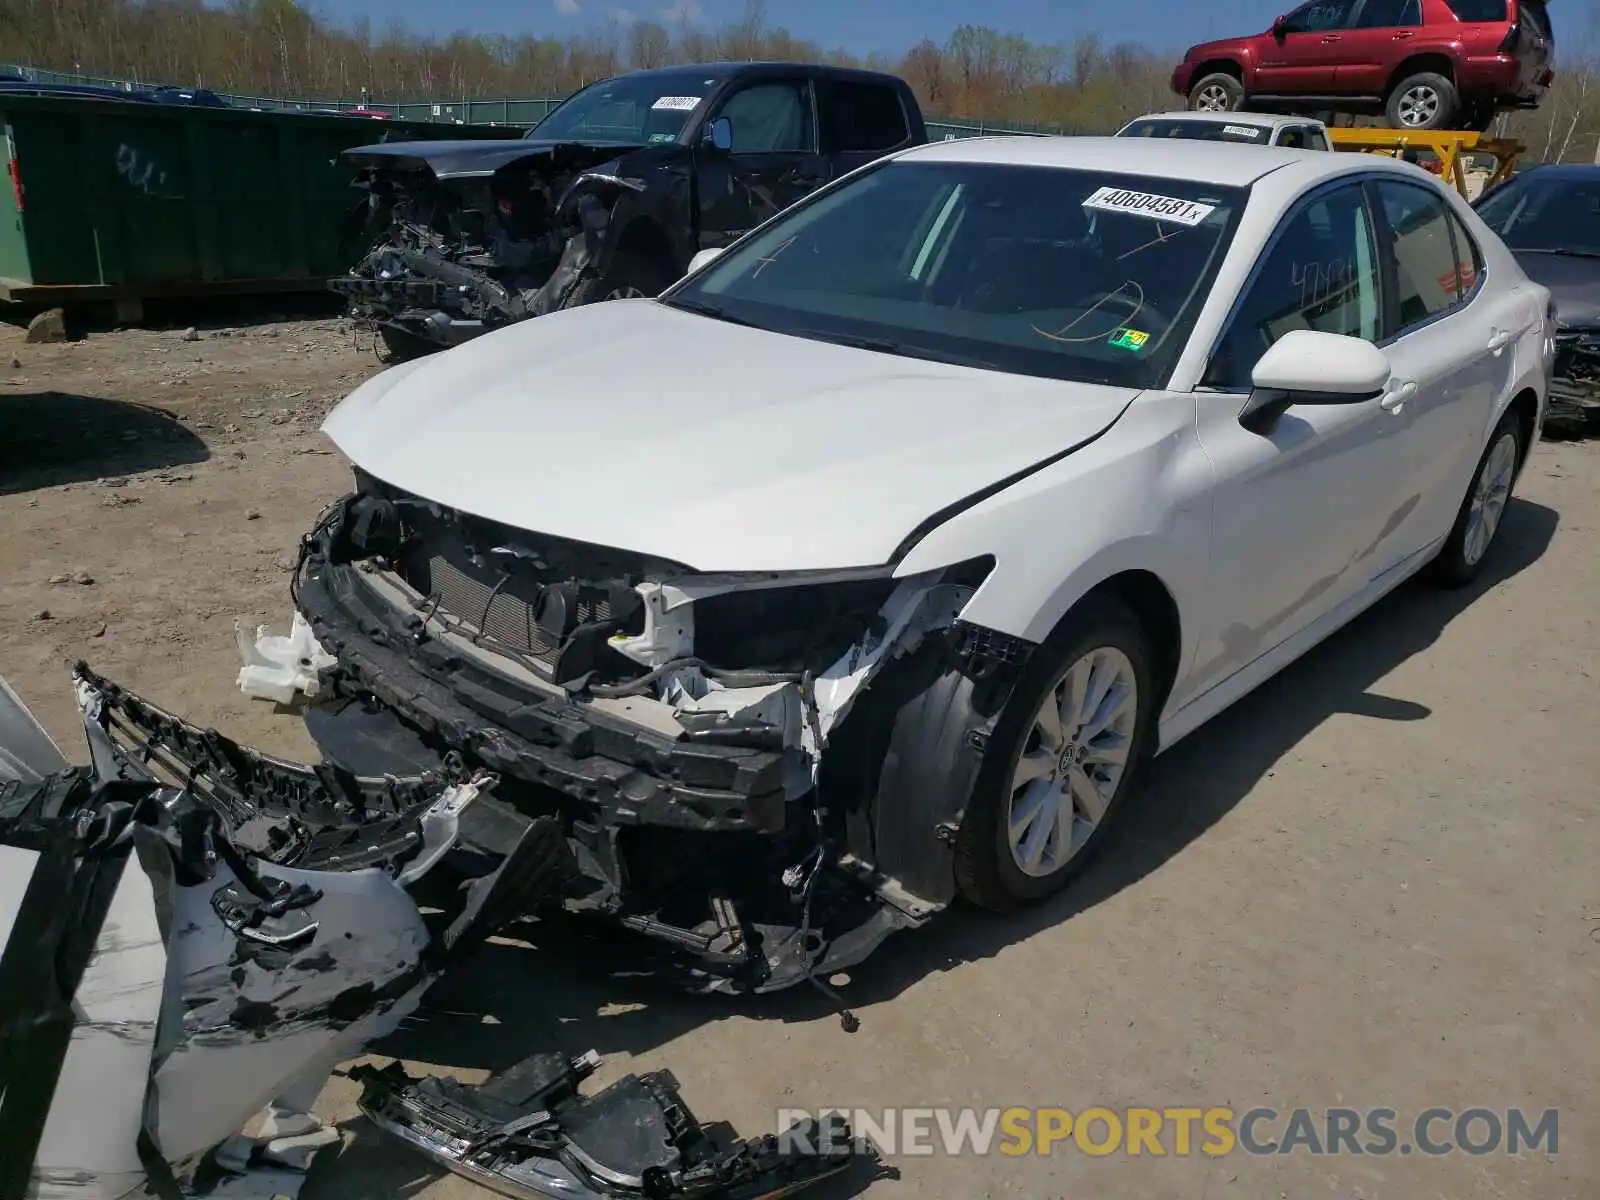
1066, 751
1479, 519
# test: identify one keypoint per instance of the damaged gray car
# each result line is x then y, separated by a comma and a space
193, 934
610, 196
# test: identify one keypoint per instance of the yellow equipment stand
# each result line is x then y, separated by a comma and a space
1450, 147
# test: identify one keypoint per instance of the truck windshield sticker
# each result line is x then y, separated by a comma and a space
1244, 131
1145, 204
677, 103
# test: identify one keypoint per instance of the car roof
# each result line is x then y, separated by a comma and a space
1225, 164
722, 69
1263, 120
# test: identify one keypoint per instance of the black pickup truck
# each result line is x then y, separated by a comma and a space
610, 196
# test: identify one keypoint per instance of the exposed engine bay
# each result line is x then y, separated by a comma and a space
193, 934
478, 235
761, 773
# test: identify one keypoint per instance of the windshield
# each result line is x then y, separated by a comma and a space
1074, 275
631, 108
1204, 131
1541, 211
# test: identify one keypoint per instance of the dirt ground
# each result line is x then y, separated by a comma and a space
1371, 884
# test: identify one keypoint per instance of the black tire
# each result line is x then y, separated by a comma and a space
1478, 116
1422, 101
1456, 565
1217, 87
628, 275
986, 871
400, 345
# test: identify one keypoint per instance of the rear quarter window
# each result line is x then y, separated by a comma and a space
1479, 10
861, 117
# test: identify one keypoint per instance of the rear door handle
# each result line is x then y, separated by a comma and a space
1395, 399
1329, 37
1401, 37
1499, 340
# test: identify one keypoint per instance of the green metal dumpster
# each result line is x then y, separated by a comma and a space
113, 200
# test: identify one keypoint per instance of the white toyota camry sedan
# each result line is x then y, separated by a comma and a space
865, 566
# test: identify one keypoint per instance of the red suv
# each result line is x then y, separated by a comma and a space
1427, 64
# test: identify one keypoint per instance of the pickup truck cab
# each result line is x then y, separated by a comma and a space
610, 196
1255, 129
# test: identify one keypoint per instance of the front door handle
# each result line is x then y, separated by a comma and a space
1401, 37
1329, 38
1396, 397
1499, 340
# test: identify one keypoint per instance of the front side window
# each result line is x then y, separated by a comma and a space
1317, 140
1426, 276
631, 108
1319, 17
770, 118
1390, 14
1085, 276
1546, 212
861, 118
1321, 272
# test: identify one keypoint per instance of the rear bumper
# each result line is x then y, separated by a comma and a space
1503, 77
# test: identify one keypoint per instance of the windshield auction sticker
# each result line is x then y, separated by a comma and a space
1243, 131
1144, 204
677, 103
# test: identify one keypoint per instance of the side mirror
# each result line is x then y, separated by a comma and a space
719, 135
703, 258
1280, 26
1307, 367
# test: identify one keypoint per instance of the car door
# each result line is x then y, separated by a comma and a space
1302, 55
772, 160
1299, 512
1381, 33
1451, 342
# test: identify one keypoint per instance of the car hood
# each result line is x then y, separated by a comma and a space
1574, 283
635, 425
465, 157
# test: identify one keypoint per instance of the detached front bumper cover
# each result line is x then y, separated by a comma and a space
528, 1133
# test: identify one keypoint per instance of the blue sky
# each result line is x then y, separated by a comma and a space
890, 25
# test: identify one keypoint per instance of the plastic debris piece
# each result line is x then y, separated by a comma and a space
276, 668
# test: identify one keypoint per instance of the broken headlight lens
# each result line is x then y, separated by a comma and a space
801, 625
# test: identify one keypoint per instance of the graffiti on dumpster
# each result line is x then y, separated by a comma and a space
140, 170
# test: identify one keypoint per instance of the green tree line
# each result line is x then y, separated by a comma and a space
280, 48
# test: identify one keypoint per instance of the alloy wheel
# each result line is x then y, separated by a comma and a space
1214, 98
1419, 105
626, 292
1073, 761
1490, 494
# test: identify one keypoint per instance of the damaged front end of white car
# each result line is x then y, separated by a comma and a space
193, 934
762, 772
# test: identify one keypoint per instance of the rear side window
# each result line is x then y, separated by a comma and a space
1469, 259
861, 118
1386, 14
1478, 10
1321, 273
1427, 275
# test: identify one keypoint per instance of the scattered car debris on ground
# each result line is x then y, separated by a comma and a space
195, 934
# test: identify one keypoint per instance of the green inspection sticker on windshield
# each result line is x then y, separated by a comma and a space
1128, 339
